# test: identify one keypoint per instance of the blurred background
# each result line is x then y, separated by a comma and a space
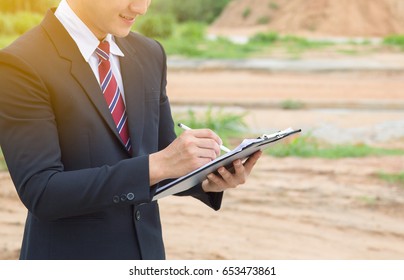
335, 69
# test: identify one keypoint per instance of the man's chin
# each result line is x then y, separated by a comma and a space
121, 33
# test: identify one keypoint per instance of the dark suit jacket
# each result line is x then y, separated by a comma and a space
87, 198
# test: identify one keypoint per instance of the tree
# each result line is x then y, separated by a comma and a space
190, 10
38, 6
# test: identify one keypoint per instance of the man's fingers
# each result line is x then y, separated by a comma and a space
205, 140
251, 161
204, 133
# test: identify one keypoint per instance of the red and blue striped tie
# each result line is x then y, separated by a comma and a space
112, 94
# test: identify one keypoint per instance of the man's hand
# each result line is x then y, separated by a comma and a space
191, 150
226, 179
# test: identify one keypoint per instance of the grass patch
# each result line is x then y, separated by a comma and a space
306, 147
296, 46
392, 178
18, 23
368, 200
264, 20
232, 128
194, 47
188, 39
271, 42
246, 12
226, 125
349, 52
6, 40
291, 105
395, 40
182, 44
273, 5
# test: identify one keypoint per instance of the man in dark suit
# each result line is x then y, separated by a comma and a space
86, 179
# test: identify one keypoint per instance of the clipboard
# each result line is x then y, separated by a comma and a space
243, 151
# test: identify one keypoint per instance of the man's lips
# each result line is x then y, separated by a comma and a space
128, 18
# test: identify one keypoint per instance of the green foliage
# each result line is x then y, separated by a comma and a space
37, 6
23, 21
303, 43
225, 124
5, 40
156, 26
18, 23
295, 45
182, 44
224, 48
6, 24
395, 40
368, 200
292, 105
273, 5
191, 10
246, 12
193, 31
265, 38
306, 146
189, 41
263, 20
392, 178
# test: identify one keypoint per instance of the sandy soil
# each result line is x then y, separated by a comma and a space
346, 18
290, 208
295, 209
242, 87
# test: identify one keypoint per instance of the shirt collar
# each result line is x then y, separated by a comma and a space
86, 41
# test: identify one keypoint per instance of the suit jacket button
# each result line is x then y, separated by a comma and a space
123, 197
137, 215
130, 196
115, 199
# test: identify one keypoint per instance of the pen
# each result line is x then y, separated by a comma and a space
223, 148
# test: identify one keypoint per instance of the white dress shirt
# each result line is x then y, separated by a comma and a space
87, 42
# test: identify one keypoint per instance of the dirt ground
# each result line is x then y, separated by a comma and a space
346, 18
249, 87
290, 208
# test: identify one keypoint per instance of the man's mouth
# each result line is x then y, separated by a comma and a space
127, 17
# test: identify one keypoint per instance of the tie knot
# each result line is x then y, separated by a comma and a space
103, 50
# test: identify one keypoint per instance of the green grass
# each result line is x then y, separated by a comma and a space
232, 128
184, 44
395, 40
202, 48
18, 23
368, 200
265, 43
6, 40
392, 178
273, 5
246, 12
297, 45
187, 39
306, 146
291, 104
226, 125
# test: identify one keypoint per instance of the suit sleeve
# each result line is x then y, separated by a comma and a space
30, 143
167, 135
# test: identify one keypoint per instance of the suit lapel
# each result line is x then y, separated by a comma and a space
80, 69
133, 83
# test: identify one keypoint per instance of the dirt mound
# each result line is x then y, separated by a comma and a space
342, 18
